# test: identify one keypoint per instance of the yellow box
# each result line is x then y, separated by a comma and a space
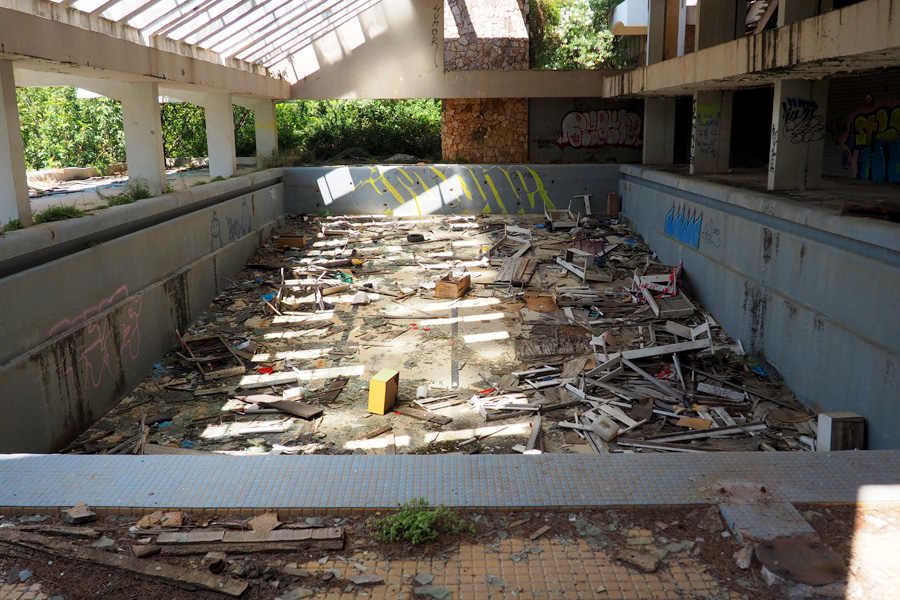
383, 391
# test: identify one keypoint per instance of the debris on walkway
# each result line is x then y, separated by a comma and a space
506, 334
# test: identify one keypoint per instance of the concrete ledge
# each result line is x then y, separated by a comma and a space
880, 235
305, 485
39, 241
407, 190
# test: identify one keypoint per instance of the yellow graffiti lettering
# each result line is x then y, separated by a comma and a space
490, 182
379, 181
475, 179
462, 182
548, 204
264, 125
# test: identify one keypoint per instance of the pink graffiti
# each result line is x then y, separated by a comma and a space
601, 128
98, 354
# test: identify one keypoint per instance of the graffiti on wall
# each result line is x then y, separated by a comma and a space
595, 128
437, 26
106, 341
801, 124
483, 189
874, 143
684, 225
705, 138
234, 228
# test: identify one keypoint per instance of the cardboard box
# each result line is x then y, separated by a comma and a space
451, 289
290, 241
383, 391
613, 205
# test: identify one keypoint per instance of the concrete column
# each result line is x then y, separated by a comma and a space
791, 11
220, 135
656, 31
682, 24
266, 130
143, 133
798, 134
711, 132
715, 22
659, 131
14, 202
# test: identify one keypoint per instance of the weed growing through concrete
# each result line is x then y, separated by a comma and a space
417, 522
134, 190
57, 213
12, 225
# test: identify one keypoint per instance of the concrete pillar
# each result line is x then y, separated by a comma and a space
711, 132
143, 133
791, 11
682, 25
14, 202
716, 22
798, 134
220, 135
266, 129
656, 31
659, 131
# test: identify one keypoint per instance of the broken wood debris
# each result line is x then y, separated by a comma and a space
620, 349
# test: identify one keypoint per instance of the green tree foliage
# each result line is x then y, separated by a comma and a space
61, 130
574, 34
319, 130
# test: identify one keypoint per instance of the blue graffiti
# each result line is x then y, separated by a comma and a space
684, 225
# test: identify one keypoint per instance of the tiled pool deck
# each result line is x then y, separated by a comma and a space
357, 484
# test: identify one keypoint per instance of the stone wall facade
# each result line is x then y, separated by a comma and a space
484, 130
485, 35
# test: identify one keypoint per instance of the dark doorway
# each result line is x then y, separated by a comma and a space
751, 122
684, 111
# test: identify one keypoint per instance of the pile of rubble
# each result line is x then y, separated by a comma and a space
504, 334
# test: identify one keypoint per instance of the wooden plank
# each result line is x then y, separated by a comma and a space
284, 535
535, 432
663, 446
720, 392
666, 349
711, 432
291, 407
377, 432
539, 532
667, 389
421, 414
679, 330
180, 576
250, 382
723, 415
197, 536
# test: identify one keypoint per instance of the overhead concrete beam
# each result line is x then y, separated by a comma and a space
586, 83
859, 37
40, 44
